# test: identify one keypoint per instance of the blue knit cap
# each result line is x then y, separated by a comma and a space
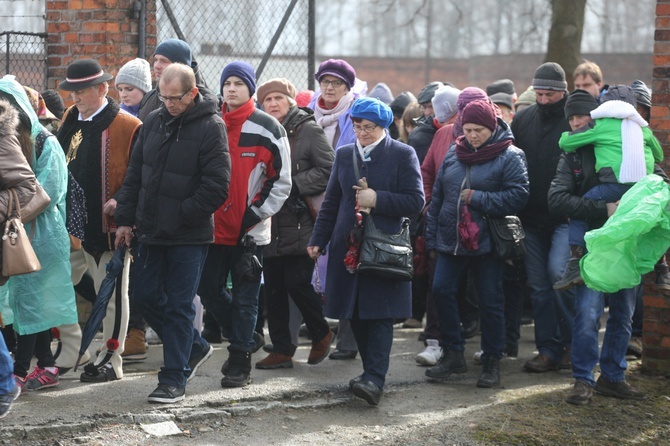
242, 70
373, 110
177, 51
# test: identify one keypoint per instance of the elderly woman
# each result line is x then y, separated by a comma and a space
394, 191
482, 173
43, 299
286, 267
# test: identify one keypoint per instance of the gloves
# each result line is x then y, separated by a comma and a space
249, 220
366, 198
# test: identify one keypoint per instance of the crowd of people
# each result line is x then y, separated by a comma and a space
251, 201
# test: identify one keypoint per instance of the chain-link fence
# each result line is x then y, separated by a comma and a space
274, 37
24, 55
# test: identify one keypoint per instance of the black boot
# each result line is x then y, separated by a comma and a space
662, 281
572, 275
239, 369
452, 362
490, 376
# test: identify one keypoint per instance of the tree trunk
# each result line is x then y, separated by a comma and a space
565, 36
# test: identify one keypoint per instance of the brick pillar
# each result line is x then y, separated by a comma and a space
656, 331
105, 30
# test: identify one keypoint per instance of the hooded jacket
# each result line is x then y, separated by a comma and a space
311, 162
44, 299
500, 188
537, 130
177, 177
260, 159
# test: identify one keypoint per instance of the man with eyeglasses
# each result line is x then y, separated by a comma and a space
97, 137
178, 176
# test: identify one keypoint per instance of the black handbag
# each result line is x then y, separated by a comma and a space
507, 236
386, 256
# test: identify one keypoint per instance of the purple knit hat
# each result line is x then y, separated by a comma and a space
479, 112
468, 95
338, 68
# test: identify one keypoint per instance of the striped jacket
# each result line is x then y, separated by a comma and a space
260, 175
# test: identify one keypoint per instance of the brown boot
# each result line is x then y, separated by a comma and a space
275, 361
320, 349
135, 347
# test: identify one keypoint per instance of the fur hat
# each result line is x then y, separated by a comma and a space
426, 94
277, 85
580, 102
242, 70
137, 73
444, 103
82, 74
338, 68
550, 76
373, 110
177, 51
479, 112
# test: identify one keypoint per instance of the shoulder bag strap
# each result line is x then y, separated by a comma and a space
356, 171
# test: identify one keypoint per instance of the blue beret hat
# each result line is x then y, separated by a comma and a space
373, 110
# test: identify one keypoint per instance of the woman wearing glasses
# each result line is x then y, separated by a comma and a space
392, 190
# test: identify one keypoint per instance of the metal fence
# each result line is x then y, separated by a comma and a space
276, 38
25, 56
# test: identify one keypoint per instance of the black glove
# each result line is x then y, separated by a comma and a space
249, 220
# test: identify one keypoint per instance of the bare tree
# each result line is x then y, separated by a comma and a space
565, 35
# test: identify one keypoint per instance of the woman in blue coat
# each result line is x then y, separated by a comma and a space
482, 173
394, 190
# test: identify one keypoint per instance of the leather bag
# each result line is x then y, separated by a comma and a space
386, 256
18, 256
36, 205
507, 237
314, 203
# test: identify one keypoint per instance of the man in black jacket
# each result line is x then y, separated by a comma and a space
537, 130
178, 176
575, 175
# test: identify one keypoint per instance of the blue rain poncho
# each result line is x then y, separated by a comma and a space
632, 240
44, 299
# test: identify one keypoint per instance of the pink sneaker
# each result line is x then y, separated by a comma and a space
20, 382
41, 379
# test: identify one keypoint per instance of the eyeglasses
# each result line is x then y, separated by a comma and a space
365, 128
335, 83
171, 98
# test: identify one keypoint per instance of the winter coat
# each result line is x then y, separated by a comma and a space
500, 188
393, 172
177, 177
430, 166
15, 172
422, 136
261, 175
311, 162
537, 130
45, 298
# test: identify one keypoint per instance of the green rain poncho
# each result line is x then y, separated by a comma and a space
632, 240
44, 299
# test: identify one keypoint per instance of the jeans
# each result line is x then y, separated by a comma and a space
6, 369
291, 275
609, 192
166, 280
239, 310
589, 307
638, 314
514, 288
547, 254
374, 338
488, 274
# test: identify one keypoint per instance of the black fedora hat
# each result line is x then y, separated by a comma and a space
83, 74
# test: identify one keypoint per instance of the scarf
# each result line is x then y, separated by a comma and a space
493, 147
365, 151
633, 165
327, 118
132, 109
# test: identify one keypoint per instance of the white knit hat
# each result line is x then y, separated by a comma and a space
444, 102
137, 73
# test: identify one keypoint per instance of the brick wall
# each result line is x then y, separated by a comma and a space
104, 30
656, 336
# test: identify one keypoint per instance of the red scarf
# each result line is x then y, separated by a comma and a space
486, 152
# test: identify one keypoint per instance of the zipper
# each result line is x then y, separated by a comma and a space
458, 208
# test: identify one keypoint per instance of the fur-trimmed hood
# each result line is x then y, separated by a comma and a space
9, 118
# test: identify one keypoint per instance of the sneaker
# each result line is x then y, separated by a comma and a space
571, 277
7, 400
412, 323
167, 394
431, 355
635, 346
580, 394
477, 357
93, 374
620, 389
275, 361
152, 337
41, 379
198, 360
135, 348
21, 382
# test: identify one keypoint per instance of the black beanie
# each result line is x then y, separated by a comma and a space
580, 102
550, 76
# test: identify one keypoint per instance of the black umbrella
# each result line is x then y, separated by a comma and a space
111, 281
